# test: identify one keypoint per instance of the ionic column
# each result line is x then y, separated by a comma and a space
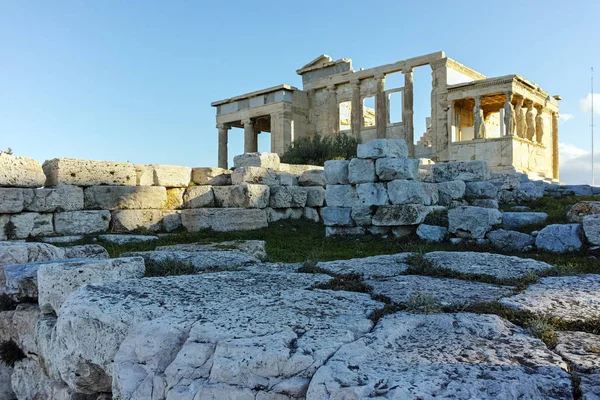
478, 119
334, 111
539, 123
408, 111
555, 146
357, 109
509, 115
380, 107
250, 142
223, 130
530, 119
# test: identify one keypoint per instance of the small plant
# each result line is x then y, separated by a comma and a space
419, 265
7, 151
169, 267
346, 282
543, 330
317, 150
421, 303
10, 353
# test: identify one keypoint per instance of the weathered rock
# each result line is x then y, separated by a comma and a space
211, 176
530, 191
571, 298
389, 169
313, 177
27, 225
443, 356
577, 190
406, 214
581, 209
174, 198
81, 222
5, 384
287, 196
444, 291
5, 226
400, 232
432, 233
201, 260
336, 172
298, 169
71, 171
362, 216
198, 197
315, 196
125, 197
341, 196
510, 241
344, 231
21, 281
450, 191
61, 198
370, 267
480, 190
372, 194
163, 175
311, 214
412, 192
581, 349
242, 196
223, 220
256, 248
153, 220
473, 222
61, 239
518, 220
506, 181
496, 265
361, 171
591, 228
20, 171
27, 252
286, 179
256, 175
264, 160
19, 325
467, 171
559, 238
11, 200
379, 230
380, 148
278, 214
337, 216
124, 239
58, 279
485, 203
86, 251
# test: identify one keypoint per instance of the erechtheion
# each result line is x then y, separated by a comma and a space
507, 121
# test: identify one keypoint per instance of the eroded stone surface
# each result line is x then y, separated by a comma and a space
383, 265
400, 215
81, 222
473, 222
125, 197
31, 224
581, 209
153, 220
71, 171
123, 239
380, 148
511, 241
200, 260
243, 196
60, 198
467, 171
560, 238
256, 248
432, 233
336, 172
86, 251
211, 176
517, 220
224, 220
20, 171
264, 160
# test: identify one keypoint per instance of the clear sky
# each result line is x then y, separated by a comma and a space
133, 80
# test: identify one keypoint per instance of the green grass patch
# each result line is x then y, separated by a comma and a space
555, 207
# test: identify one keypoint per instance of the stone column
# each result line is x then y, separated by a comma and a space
439, 110
357, 109
249, 136
408, 111
223, 133
310, 129
333, 109
282, 125
478, 120
555, 146
509, 115
539, 123
530, 119
380, 107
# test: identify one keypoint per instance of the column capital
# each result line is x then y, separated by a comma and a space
380, 77
247, 121
331, 87
355, 82
223, 126
407, 70
477, 101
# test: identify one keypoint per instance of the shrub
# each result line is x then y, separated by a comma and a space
423, 304
10, 353
317, 150
543, 330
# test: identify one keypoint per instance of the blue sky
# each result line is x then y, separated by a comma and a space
133, 80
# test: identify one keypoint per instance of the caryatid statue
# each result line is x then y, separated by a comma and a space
520, 118
479, 121
509, 115
530, 117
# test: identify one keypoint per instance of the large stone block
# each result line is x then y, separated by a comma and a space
336, 172
86, 251
341, 196
510, 241
81, 222
256, 175
313, 177
389, 169
125, 197
265, 160
361, 171
20, 172
467, 171
242, 196
287, 196
153, 220
198, 197
337, 216
450, 191
473, 222
560, 238
315, 196
432, 233
163, 175
223, 219
27, 225
278, 214
362, 216
72, 171
58, 279
480, 190
211, 176
518, 220
396, 215
372, 194
344, 231
412, 192
380, 148
579, 210
298, 169
591, 228
311, 214
61, 198
11, 200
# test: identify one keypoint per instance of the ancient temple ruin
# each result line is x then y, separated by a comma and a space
507, 121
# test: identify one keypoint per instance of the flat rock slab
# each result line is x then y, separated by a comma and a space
86, 251
445, 291
201, 261
496, 265
582, 350
256, 248
571, 298
225, 335
124, 239
384, 265
20, 171
78, 172
443, 356
62, 239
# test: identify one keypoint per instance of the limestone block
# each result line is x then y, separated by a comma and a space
576, 190
336, 172
480, 190
198, 197
153, 220
379, 230
72, 171
580, 349
125, 197
61, 198
311, 214
362, 216
58, 279
372, 194
27, 252
432, 233
380, 148
486, 203
11, 200
223, 220
29, 381
559, 238
467, 171
581, 209
27, 225
20, 172
591, 228
163, 175
344, 231
211, 176
511, 241
315, 196
406, 214
21, 281
412, 192
62, 239
81, 222
337, 216
278, 214
86, 251
256, 175
255, 248
389, 169
450, 191
473, 222
287, 196
5, 384
287, 179
242, 196
518, 220
530, 191
313, 177
174, 198
386, 265
122, 239
341, 196
264, 160
361, 171
298, 169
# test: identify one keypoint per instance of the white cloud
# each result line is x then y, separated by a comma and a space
576, 165
565, 117
585, 104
